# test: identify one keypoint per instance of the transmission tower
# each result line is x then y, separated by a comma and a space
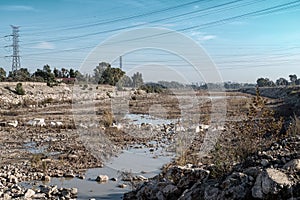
16, 64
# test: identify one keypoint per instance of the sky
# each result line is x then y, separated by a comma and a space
245, 39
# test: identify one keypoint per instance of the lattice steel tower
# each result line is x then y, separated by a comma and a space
16, 64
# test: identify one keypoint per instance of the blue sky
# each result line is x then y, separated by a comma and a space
62, 33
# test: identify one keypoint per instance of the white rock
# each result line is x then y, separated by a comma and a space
74, 191
102, 178
13, 123
29, 193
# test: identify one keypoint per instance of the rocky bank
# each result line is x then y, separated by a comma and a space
273, 173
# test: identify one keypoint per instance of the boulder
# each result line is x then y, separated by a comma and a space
102, 178
269, 182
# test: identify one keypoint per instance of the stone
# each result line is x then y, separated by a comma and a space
141, 178
29, 193
268, 182
6, 197
69, 175
46, 178
39, 196
264, 162
66, 193
81, 176
293, 165
122, 185
169, 189
74, 191
12, 179
278, 177
102, 178
114, 179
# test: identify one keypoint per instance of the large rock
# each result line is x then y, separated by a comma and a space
269, 182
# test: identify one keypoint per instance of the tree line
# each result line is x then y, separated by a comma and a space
266, 82
104, 73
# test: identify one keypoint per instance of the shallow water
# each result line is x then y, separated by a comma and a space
147, 119
138, 160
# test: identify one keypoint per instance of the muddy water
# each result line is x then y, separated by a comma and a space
138, 160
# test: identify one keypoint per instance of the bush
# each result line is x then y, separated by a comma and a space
19, 89
107, 118
248, 136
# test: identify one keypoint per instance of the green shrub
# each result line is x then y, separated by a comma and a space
19, 89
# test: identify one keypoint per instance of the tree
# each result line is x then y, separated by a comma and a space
72, 73
79, 76
125, 81
65, 73
293, 78
282, 82
45, 75
265, 82
111, 76
98, 71
2, 74
137, 80
56, 73
21, 74
47, 69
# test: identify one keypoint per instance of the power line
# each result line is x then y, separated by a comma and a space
139, 25
129, 17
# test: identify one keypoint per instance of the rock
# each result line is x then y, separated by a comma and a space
81, 176
122, 185
6, 197
293, 165
140, 178
48, 189
277, 177
160, 196
102, 178
39, 196
264, 162
69, 175
66, 193
46, 178
13, 123
74, 191
268, 182
12, 179
169, 189
114, 179
29, 193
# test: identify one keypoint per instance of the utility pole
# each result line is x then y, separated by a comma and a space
120, 62
16, 64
